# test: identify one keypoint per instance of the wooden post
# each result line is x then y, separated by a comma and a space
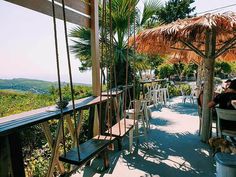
96, 123
95, 48
17, 164
91, 122
5, 157
209, 61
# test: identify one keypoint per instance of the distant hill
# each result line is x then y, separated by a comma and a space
29, 85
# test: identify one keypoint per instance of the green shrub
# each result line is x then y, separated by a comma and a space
176, 90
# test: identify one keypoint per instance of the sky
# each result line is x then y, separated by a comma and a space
27, 43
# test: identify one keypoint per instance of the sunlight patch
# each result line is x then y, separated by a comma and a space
178, 163
203, 151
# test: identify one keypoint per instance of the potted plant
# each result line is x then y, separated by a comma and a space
63, 103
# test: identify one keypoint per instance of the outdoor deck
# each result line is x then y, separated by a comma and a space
173, 149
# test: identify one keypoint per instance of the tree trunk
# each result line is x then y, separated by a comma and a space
209, 61
200, 75
207, 97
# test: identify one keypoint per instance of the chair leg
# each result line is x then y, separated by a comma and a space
119, 144
136, 131
165, 97
131, 136
146, 117
168, 95
144, 127
200, 126
105, 159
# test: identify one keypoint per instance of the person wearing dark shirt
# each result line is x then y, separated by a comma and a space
227, 84
224, 99
224, 102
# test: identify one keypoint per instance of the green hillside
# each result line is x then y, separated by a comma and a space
35, 86
30, 85
12, 102
15, 101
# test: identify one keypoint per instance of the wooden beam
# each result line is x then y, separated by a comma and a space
91, 121
17, 163
195, 49
95, 48
5, 157
96, 123
78, 5
228, 44
231, 46
45, 7
55, 149
48, 135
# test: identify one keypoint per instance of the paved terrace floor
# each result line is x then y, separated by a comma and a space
173, 148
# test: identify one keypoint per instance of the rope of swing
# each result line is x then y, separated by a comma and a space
58, 71
111, 66
126, 74
71, 79
134, 70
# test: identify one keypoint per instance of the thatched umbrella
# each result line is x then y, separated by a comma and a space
209, 36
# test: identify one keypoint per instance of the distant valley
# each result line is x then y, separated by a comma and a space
30, 85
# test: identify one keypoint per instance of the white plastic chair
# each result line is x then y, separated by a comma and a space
227, 115
136, 111
186, 97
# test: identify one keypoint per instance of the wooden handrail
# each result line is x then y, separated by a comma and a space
15, 122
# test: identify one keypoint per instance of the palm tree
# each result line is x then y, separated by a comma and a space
121, 12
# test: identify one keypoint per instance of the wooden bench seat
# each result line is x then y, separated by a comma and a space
89, 150
120, 129
125, 126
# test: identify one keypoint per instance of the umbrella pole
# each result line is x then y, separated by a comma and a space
209, 63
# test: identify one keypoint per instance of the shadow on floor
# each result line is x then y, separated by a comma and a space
172, 150
172, 155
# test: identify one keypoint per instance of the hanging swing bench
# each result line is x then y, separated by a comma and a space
81, 153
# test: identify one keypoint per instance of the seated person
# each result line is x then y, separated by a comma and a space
227, 84
224, 101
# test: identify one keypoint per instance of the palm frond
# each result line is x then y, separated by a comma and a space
150, 9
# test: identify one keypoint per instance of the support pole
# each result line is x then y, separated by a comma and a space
5, 157
209, 62
95, 48
200, 76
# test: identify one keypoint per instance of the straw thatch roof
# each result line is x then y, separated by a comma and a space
187, 57
183, 57
188, 34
